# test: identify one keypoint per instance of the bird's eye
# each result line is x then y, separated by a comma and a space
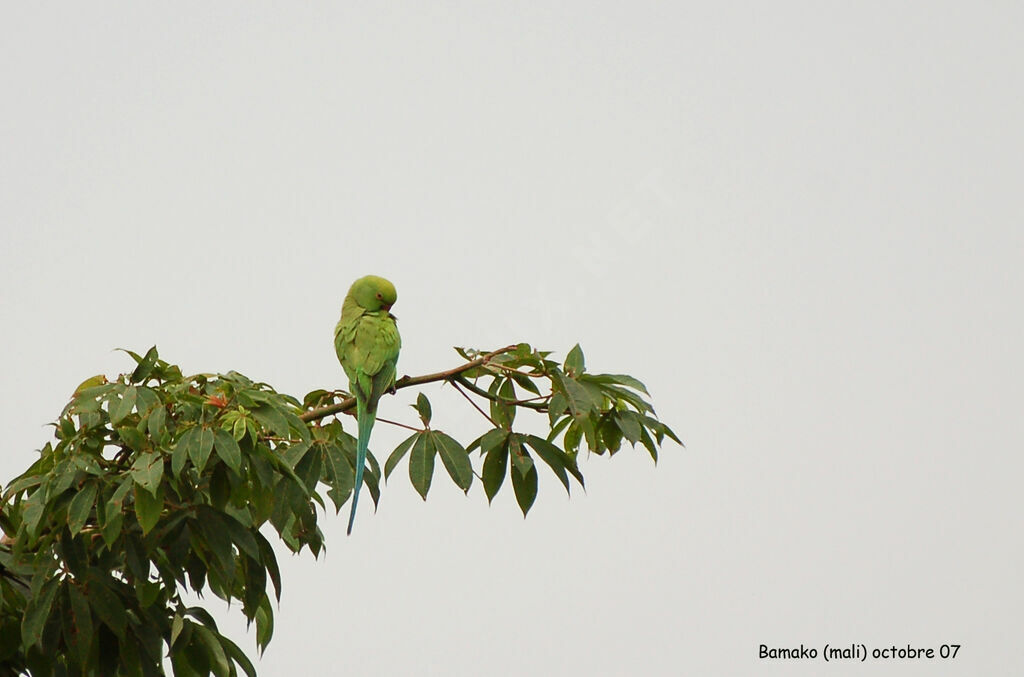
379, 295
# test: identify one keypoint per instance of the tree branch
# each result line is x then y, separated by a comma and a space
539, 406
405, 382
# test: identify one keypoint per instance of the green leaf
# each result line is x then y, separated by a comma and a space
135, 440
372, 465
220, 487
521, 460
455, 459
620, 393
397, 455
228, 450
339, 475
525, 382
646, 440
423, 407
81, 506
217, 539
255, 577
148, 507
111, 527
129, 659
177, 625
586, 424
551, 455
32, 513
183, 450
557, 406
147, 471
309, 469
81, 617
269, 560
555, 462
576, 395
501, 413
660, 429
90, 387
219, 661
238, 656
37, 611
629, 423
264, 624
495, 465
145, 367
238, 428
293, 455
200, 452
574, 365
489, 440
122, 407
107, 605
146, 399
147, 592
372, 485
611, 436
525, 488
272, 419
619, 379
241, 536
421, 463
572, 438
20, 484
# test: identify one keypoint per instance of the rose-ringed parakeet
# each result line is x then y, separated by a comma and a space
367, 342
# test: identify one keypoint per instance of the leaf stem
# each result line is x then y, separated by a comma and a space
475, 405
400, 425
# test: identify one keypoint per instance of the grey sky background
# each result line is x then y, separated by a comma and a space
798, 223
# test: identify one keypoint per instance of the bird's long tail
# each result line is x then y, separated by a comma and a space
365, 418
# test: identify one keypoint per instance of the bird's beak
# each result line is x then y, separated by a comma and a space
387, 307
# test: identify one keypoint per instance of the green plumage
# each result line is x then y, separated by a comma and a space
367, 342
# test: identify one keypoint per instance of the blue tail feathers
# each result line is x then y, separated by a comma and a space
365, 419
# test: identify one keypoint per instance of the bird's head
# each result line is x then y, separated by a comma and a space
373, 293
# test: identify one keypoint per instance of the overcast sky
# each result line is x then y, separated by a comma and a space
799, 223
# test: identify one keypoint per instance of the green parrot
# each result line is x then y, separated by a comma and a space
367, 342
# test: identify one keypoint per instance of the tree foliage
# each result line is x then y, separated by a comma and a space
160, 483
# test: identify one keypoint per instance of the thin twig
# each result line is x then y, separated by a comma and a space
400, 425
475, 406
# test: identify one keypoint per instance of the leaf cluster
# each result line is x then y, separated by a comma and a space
160, 484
